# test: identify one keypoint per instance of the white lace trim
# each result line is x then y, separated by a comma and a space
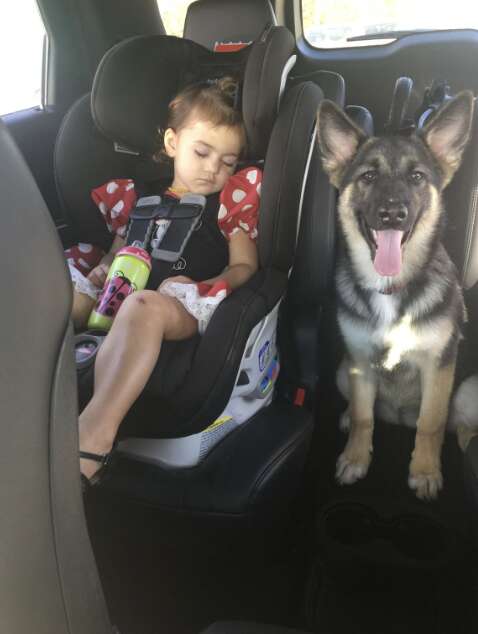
202, 308
82, 284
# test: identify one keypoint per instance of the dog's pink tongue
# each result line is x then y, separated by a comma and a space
388, 258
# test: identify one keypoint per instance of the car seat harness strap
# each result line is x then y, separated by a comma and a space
163, 226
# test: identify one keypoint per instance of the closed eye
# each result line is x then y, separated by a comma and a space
201, 154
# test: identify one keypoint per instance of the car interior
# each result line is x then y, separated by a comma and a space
221, 513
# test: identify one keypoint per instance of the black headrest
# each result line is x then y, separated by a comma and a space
212, 22
138, 77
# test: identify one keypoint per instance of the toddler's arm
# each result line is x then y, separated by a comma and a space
243, 261
97, 276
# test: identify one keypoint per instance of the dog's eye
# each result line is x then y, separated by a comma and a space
369, 176
417, 177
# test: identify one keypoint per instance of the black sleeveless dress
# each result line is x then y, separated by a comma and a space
205, 255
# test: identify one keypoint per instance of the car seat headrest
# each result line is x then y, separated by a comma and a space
138, 77
214, 25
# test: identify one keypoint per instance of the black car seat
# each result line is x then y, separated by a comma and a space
311, 275
127, 101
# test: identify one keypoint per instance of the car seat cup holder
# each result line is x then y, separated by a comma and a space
359, 535
86, 346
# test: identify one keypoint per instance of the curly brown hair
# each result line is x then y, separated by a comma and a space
212, 100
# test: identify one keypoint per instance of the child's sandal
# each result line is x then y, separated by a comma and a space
104, 459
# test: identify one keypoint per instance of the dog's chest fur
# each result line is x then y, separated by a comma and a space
393, 345
384, 339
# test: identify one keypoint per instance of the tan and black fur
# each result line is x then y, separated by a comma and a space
401, 331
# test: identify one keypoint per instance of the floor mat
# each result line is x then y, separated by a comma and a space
383, 560
176, 574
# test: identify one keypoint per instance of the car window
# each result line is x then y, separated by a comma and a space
173, 15
337, 23
22, 35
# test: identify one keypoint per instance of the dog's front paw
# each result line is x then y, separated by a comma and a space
425, 476
425, 485
351, 468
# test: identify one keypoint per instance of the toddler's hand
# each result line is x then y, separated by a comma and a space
97, 276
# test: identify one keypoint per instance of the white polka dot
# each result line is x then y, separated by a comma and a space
112, 187
83, 263
85, 248
103, 208
246, 207
71, 261
258, 189
254, 234
235, 230
222, 212
244, 225
252, 176
238, 195
117, 209
129, 186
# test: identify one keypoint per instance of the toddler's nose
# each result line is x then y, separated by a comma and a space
213, 165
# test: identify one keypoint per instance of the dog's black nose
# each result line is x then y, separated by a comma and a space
392, 212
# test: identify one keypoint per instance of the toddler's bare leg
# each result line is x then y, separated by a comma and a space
124, 364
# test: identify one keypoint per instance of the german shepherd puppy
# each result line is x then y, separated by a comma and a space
400, 306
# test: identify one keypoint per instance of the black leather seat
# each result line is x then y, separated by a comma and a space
209, 22
248, 628
461, 236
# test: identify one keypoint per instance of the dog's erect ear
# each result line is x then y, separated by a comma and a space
339, 139
448, 132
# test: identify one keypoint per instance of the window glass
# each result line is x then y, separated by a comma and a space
333, 23
173, 15
21, 54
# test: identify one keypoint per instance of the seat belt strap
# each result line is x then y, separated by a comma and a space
142, 220
164, 226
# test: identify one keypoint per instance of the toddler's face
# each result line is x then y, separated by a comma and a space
204, 155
